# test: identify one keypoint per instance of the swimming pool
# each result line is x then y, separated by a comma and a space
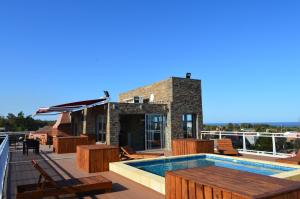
159, 167
150, 172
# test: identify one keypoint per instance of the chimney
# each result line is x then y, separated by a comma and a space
188, 75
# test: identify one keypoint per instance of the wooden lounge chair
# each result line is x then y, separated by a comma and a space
46, 186
130, 153
225, 147
291, 160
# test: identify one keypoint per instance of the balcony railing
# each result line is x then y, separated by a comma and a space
4, 153
260, 143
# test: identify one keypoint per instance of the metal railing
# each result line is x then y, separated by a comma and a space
246, 137
4, 155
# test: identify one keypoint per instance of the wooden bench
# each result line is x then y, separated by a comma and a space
192, 146
96, 158
222, 183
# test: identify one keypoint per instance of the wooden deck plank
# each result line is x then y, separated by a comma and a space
63, 166
235, 184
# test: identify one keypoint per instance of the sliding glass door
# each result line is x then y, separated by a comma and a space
154, 131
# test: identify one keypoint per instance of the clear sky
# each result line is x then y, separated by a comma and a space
246, 52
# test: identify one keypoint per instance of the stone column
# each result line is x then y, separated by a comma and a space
113, 125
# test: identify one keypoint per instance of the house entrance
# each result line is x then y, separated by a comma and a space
132, 131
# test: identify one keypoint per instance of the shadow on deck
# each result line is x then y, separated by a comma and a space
63, 166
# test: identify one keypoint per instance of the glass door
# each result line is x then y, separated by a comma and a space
154, 131
101, 128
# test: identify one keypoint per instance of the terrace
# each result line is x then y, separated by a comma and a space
63, 166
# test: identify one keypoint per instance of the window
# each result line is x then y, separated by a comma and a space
188, 126
101, 128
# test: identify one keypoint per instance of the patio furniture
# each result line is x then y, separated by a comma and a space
192, 146
223, 183
291, 160
46, 186
130, 153
225, 147
96, 158
31, 144
68, 144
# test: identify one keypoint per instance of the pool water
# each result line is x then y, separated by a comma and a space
159, 167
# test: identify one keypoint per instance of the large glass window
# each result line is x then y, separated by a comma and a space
188, 121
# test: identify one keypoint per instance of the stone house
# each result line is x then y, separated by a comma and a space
145, 118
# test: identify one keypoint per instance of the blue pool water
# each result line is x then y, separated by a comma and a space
159, 167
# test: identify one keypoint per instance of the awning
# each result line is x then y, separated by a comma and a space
73, 106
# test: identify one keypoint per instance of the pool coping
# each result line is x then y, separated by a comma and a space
157, 183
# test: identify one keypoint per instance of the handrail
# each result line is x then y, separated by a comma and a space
4, 155
245, 134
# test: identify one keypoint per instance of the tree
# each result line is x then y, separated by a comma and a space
22, 122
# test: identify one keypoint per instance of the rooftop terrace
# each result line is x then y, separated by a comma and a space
63, 166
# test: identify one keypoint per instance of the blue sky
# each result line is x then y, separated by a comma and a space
247, 53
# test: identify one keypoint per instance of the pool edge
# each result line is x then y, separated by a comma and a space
157, 183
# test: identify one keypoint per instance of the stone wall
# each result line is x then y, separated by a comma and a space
162, 92
77, 123
187, 99
116, 109
172, 97
181, 96
92, 114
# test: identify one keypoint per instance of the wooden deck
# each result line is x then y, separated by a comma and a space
227, 184
63, 166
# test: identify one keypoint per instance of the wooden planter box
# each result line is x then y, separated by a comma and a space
222, 183
192, 146
68, 144
96, 158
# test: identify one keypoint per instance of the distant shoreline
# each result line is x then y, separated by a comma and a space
276, 124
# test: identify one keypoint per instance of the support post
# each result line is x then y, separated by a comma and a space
273, 144
220, 135
244, 143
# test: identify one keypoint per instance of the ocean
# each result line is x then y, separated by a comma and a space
277, 124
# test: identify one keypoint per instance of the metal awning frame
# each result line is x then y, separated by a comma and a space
54, 110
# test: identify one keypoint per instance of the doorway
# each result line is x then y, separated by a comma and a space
100, 128
154, 131
132, 131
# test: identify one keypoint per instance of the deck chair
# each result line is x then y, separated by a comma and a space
46, 186
130, 153
291, 160
225, 147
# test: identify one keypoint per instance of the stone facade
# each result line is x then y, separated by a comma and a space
181, 95
162, 92
117, 109
172, 98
